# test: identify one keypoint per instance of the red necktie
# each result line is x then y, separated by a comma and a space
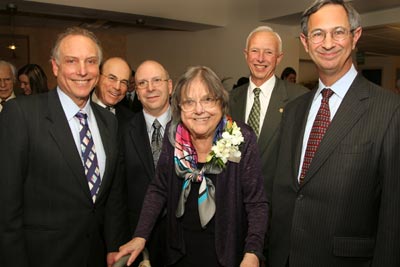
318, 130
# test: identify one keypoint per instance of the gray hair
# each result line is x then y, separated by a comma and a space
352, 14
12, 68
209, 78
55, 53
264, 29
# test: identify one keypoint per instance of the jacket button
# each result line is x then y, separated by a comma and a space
300, 197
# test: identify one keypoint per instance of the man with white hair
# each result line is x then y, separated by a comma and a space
7, 81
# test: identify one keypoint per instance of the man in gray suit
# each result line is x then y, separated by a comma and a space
336, 195
263, 53
59, 205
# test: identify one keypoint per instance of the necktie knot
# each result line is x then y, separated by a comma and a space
257, 92
326, 93
156, 124
82, 117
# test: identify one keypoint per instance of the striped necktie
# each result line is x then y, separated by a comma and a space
254, 116
89, 157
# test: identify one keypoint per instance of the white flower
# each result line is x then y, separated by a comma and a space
227, 147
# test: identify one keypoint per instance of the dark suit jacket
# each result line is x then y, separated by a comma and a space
135, 105
47, 214
282, 94
241, 208
139, 171
347, 211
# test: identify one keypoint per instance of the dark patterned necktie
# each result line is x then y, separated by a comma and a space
254, 116
89, 156
156, 141
318, 130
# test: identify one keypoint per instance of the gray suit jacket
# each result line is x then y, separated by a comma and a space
282, 94
346, 213
47, 214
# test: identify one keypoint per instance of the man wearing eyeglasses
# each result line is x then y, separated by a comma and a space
336, 194
141, 144
7, 80
111, 89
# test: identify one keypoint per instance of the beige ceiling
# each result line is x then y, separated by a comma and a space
380, 39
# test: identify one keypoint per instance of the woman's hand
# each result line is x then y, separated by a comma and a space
250, 260
133, 247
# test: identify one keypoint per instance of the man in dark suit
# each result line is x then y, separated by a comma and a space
263, 53
56, 210
154, 88
111, 89
336, 195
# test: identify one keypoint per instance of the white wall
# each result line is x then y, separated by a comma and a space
221, 49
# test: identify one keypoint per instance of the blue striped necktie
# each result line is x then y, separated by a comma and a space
89, 156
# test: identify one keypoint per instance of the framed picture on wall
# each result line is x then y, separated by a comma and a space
15, 49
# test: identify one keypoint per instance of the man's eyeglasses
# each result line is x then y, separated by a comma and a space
113, 79
190, 104
337, 34
156, 82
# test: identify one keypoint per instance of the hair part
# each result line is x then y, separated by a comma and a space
352, 14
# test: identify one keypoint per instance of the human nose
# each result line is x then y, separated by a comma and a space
82, 68
198, 107
328, 41
260, 56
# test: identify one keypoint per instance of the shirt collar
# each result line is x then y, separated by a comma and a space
265, 87
69, 106
163, 119
341, 86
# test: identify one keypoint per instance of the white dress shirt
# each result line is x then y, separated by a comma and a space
163, 120
265, 97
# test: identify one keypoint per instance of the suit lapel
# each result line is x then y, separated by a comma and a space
350, 111
60, 131
273, 115
138, 133
239, 99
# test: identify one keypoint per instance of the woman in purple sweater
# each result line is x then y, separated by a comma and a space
208, 180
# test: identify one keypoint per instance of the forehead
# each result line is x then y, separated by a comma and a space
328, 17
5, 71
149, 70
118, 68
78, 46
263, 40
196, 87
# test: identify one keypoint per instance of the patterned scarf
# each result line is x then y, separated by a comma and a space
185, 158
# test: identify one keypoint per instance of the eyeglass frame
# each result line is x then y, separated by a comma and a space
156, 81
347, 32
213, 103
114, 79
